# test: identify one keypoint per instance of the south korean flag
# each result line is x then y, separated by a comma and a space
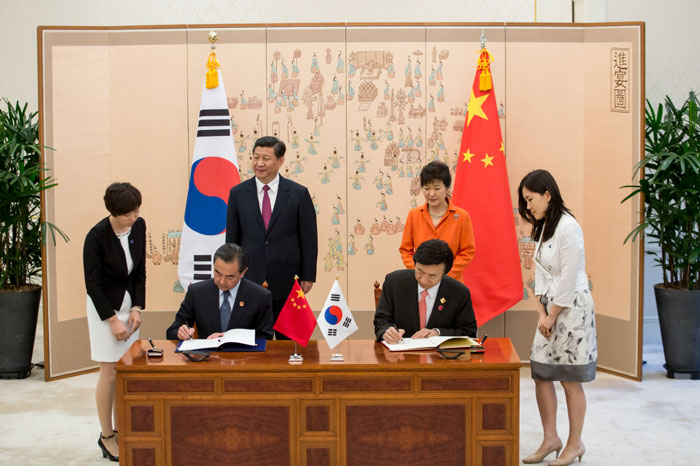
213, 173
335, 320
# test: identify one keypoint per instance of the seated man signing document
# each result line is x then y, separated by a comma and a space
424, 302
224, 302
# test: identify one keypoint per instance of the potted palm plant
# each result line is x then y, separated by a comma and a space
669, 181
22, 231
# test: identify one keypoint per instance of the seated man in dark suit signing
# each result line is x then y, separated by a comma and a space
224, 302
424, 302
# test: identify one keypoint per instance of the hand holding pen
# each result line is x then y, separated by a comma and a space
393, 335
185, 332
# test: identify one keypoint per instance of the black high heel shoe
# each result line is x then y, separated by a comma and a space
105, 452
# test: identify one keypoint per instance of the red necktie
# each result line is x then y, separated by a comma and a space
266, 209
422, 308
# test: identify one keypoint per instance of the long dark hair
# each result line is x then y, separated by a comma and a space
541, 181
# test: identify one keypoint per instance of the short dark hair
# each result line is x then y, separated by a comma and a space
436, 171
540, 182
122, 198
231, 252
433, 252
271, 141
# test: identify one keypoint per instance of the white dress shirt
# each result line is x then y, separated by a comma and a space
429, 300
232, 297
272, 193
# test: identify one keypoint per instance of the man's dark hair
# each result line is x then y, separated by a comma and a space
433, 252
436, 171
122, 198
271, 141
231, 252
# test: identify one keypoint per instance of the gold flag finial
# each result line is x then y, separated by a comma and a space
213, 37
212, 77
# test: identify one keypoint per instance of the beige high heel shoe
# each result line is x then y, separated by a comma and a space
539, 457
563, 461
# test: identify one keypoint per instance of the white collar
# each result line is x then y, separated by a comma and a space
432, 291
272, 184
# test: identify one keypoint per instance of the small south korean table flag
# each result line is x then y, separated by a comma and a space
335, 320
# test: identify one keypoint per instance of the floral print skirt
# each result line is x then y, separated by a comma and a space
571, 354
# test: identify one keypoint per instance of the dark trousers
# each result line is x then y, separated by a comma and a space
277, 305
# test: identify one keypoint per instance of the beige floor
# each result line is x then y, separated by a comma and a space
655, 422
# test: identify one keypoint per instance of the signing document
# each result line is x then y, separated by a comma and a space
236, 335
412, 344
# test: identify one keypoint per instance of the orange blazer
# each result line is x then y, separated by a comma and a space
455, 228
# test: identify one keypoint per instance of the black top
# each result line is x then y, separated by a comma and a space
104, 264
252, 310
452, 312
288, 247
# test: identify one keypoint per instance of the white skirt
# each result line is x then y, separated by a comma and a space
103, 346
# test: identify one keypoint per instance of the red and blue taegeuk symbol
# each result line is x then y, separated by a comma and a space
211, 180
333, 314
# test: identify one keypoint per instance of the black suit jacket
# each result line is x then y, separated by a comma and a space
104, 266
288, 247
398, 305
252, 309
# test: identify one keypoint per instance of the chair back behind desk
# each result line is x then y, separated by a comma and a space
261, 407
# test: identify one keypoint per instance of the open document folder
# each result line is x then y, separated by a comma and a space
243, 336
412, 344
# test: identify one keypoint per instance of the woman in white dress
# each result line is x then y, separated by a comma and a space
564, 348
114, 262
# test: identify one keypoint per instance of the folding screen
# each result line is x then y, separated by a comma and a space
361, 108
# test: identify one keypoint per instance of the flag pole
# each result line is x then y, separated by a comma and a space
337, 356
296, 357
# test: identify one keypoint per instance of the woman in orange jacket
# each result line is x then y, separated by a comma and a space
438, 218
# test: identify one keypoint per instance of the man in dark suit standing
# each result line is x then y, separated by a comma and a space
424, 302
224, 302
274, 220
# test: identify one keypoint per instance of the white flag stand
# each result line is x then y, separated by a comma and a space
296, 358
338, 357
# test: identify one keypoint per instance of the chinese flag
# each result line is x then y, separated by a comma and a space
481, 187
296, 319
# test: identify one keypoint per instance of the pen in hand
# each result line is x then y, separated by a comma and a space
397, 331
189, 331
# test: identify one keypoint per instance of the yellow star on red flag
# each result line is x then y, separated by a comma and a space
487, 161
468, 156
474, 107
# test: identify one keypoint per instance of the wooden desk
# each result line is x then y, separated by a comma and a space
376, 408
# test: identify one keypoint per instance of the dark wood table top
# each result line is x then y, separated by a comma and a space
359, 355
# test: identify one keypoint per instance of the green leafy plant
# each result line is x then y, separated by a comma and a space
669, 181
22, 180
